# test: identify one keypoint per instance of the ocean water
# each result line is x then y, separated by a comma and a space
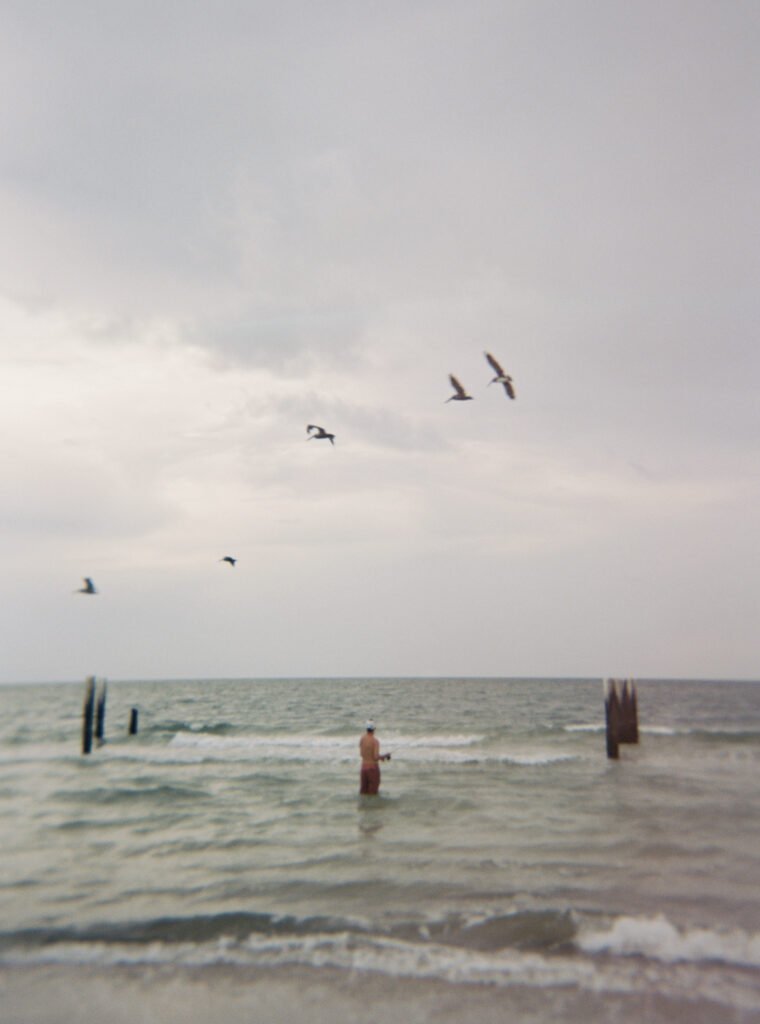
221, 865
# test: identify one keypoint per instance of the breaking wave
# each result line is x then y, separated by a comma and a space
658, 939
544, 949
545, 931
433, 749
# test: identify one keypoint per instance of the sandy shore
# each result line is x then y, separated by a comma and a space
59, 995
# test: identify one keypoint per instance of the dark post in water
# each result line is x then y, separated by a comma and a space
621, 713
629, 719
100, 713
89, 708
133, 722
612, 716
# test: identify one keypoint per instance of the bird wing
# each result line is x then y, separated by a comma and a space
456, 385
508, 387
312, 426
494, 364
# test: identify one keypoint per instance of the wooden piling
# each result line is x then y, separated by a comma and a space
100, 713
87, 716
133, 722
621, 712
612, 715
629, 720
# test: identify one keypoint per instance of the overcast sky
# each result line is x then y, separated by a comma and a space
222, 222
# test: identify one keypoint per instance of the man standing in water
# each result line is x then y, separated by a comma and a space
369, 748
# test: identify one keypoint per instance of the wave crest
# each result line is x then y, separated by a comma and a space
658, 939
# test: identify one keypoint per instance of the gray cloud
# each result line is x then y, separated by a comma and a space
222, 224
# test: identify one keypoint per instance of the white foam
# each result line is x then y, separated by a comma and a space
501, 968
434, 740
284, 747
335, 749
421, 749
653, 730
346, 951
412, 960
538, 757
658, 939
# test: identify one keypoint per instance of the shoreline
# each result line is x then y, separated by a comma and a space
58, 994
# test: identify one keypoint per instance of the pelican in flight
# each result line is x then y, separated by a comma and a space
461, 395
88, 588
230, 559
321, 433
501, 377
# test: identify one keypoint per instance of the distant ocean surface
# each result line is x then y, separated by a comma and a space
221, 865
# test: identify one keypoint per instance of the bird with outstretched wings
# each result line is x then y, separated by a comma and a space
501, 377
320, 434
460, 395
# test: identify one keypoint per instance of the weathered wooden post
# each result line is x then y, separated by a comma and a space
100, 713
133, 722
629, 719
89, 707
612, 715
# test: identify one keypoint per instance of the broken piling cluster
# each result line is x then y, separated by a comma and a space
621, 712
94, 714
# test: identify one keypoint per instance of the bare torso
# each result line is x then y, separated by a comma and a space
369, 748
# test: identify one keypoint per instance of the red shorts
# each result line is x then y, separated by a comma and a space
369, 780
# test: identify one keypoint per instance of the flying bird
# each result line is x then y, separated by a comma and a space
461, 395
88, 588
321, 433
501, 377
230, 559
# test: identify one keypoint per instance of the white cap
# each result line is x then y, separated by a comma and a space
370, 725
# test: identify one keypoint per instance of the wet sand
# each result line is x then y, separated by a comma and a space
59, 995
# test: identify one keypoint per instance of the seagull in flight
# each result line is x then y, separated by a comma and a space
88, 588
461, 395
321, 433
501, 377
230, 559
